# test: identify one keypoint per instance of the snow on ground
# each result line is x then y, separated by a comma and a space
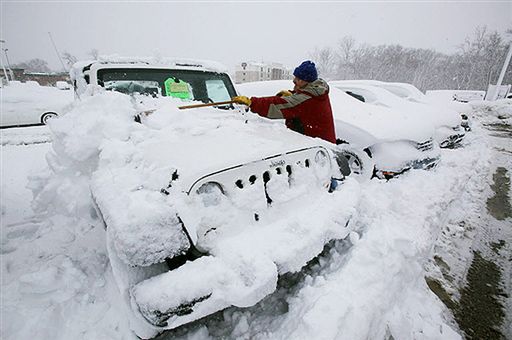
57, 282
25, 135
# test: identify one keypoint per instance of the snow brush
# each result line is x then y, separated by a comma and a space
204, 105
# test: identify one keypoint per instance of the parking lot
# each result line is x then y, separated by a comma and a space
445, 231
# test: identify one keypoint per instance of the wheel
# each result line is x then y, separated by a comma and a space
47, 116
360, 164
354, 162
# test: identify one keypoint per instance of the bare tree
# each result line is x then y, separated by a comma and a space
346, 49
94, 53
69, 59
476, 63
325, 60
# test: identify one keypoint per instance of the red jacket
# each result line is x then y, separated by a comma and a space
307, 111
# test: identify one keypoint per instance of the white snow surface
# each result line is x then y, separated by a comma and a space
57, 282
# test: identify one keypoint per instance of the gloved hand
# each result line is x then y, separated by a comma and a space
242, 100
284, 93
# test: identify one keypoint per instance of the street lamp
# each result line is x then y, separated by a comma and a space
3, 66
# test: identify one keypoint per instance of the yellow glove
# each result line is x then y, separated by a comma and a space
284, 93
242, 100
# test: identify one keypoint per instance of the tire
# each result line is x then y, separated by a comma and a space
361, 165
46, 117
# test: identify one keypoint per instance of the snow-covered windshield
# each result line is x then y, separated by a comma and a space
184, 84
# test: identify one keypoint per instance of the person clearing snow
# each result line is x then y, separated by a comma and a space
306, 109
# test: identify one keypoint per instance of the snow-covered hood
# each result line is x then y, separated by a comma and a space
381, 124
199, 142
194, 142
438, 115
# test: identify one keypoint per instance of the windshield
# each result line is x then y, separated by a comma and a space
185, 84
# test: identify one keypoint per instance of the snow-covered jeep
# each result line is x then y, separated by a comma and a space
203, 208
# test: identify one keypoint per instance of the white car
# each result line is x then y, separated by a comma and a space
393, 142
31, 104
447, 123
63, 85
203, 208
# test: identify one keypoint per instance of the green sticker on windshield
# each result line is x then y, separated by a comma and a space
177, 88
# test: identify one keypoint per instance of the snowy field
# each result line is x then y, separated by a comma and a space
416, 234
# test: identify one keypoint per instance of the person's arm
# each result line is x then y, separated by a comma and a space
278, 107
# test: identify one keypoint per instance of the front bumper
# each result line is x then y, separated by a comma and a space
243, 261
422, 164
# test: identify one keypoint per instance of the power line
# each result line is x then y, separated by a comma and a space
57, 51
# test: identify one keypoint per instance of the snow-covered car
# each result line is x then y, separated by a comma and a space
383, 142
203, 208
63, 85
449, 132
31, 104
468, 96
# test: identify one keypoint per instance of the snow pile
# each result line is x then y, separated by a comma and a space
143, 222
500, 110
77, 139
100, 132
243, 282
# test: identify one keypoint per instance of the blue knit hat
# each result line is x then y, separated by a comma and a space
306, 71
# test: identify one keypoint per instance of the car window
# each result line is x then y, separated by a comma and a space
368, 95
217, 90
185, 84
133, 86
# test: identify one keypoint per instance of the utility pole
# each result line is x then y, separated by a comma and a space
503, 70
8, 63
3, 66
57, 51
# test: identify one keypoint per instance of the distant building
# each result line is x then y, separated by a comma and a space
254, 71
44, 79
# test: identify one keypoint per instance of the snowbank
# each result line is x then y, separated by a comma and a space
500, 109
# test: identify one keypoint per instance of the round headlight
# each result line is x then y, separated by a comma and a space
211, 193
321, 158
322, 165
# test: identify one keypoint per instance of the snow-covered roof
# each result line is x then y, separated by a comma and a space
171, 62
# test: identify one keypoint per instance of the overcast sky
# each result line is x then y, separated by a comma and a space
231, 32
